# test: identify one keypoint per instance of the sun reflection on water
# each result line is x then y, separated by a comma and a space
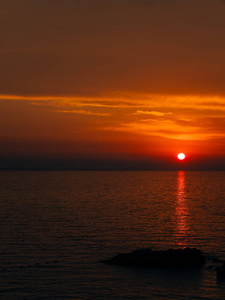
181, 211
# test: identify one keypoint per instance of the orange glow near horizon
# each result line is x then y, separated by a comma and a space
123, 128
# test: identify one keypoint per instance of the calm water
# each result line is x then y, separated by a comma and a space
55, 227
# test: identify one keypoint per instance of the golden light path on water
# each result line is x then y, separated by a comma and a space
181, 211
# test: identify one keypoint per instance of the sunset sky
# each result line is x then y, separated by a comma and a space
112, 84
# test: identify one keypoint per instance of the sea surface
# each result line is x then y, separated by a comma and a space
56, 227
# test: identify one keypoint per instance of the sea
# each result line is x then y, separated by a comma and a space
56, 227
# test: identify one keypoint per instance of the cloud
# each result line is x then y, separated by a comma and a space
190, 128
154, 113
129, 100
84, 112
122, 116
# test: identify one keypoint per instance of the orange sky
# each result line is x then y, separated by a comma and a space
112, 84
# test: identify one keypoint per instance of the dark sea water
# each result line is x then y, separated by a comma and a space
56, 227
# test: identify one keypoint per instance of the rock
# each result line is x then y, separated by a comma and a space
171, 258
221, 271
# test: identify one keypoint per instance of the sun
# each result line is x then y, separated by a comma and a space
181, 156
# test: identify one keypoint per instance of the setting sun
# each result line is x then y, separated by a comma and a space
181, 156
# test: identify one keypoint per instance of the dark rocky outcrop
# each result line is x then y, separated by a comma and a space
221, 271
171, 258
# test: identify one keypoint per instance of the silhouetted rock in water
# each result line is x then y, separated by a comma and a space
221, 271
171, 258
